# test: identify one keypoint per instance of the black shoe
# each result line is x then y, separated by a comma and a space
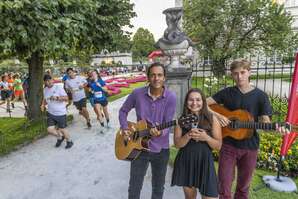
59, 141
89, 125
68, 144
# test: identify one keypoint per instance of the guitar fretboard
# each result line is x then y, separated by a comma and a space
159, 127
257, 125
166, 125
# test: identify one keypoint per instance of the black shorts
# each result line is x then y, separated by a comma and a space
5, 94
80, 104
102, 103
56, 120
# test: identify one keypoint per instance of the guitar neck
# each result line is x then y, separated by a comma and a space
159, 127
259, 125
166, 125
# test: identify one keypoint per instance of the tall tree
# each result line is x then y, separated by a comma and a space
224, 28
142, 44
37, 29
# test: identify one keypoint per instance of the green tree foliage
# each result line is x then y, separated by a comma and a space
142, 44
224, 28
33, 30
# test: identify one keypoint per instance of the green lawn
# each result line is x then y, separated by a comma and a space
126, 91
264, 193
16, 132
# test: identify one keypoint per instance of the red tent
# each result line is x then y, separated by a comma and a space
292, 118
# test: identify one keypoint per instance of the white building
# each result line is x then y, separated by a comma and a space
111, 58
291, 6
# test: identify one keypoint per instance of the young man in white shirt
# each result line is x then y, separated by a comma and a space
75, 84
55, 98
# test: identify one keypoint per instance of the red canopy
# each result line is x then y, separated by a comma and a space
292, 117
156, 53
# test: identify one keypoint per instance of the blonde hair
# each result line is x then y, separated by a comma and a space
240, 63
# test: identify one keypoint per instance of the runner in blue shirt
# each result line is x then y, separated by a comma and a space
99, 91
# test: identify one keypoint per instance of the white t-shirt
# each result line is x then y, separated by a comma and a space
4, 85
57, 108
73, 85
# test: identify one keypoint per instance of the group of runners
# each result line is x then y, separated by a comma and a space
12, 89
76, 89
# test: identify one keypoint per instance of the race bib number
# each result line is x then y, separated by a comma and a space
75, 89
98, 94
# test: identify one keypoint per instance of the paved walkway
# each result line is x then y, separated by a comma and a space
89, 170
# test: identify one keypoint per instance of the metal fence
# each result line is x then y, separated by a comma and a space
275, 79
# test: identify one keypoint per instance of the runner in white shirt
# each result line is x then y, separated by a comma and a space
75, 84
5, 92
55, 98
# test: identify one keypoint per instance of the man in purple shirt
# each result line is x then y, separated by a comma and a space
157, 105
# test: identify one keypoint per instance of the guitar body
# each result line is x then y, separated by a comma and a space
241, 115
139, 136
131, 149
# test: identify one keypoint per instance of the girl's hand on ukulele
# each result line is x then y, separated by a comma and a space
282, 130
199, 135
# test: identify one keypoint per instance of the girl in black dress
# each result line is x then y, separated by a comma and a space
194, 166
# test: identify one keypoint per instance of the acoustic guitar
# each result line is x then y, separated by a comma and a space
138, 142
242, 123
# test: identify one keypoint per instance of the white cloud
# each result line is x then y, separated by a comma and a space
149, 15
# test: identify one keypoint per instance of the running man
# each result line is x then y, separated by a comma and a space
75, 85
55, 98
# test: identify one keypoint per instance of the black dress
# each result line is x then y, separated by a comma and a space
194, 167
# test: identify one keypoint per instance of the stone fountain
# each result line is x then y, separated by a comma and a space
175, 44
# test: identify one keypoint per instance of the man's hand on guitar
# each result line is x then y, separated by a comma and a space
224, 121
154, 132
125, 133
282, 130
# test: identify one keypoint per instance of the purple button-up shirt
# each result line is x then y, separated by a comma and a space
155, 111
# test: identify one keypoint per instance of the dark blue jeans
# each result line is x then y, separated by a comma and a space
138, 168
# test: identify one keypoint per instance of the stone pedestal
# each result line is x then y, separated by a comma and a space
178, 80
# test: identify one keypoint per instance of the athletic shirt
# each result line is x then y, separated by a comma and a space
65, 77
55, 107
4, 85
74, 84
256, 102
98, 92
17, 85
10, 83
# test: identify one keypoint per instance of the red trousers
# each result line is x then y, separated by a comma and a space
245, 161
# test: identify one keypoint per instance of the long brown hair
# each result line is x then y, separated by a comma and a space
205, 116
